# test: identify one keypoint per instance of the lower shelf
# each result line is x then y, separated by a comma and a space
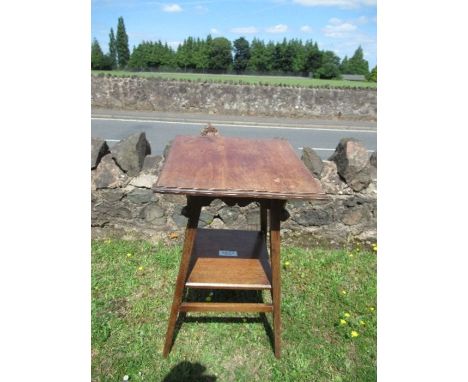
229, 259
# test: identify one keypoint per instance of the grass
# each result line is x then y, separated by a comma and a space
245, 79
132, 286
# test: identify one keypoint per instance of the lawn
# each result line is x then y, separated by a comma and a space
328, 314
245, 79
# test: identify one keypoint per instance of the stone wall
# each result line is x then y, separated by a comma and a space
124, 206
156, 94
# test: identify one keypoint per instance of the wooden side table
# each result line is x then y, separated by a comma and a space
237, 171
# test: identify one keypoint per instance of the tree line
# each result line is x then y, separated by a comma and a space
219, 55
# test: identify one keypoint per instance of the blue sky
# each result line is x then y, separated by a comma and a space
337, 25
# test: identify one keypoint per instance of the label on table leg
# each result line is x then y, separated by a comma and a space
228, 253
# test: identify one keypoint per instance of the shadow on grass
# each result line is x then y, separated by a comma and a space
188, 372
224, 296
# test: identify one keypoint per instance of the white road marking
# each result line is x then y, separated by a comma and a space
321, 128
324, 149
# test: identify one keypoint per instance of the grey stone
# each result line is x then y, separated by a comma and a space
111, 195
144, 180
151, 212
253, 218
173, 198
166, 149
179, 220
373, 159
107, 210
130, 152
151, 164
217, 224
108, 174
331, 181
99, 148
352, 163
353, 216
205, 218
313, 217
229, 214
312, 161
140, 195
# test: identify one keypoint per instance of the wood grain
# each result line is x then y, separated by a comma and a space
225, 307
239, 167
250, 269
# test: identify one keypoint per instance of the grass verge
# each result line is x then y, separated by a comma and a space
245, 79
328, 314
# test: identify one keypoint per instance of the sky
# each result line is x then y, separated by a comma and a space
337, 25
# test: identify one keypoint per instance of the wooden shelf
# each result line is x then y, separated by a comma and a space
229, 259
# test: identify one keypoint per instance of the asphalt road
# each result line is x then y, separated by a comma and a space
160, 128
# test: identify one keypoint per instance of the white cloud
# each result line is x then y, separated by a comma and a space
214, 31
172, 8
334, 21
200, 9
362, 20
336, 3
244, 30
337, 28
306, 29
280, 28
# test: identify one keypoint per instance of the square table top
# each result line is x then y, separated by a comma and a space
236, 167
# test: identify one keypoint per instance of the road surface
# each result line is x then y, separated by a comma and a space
160, 128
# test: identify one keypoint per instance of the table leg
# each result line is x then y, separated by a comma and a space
276, 276
263, 220
193, 209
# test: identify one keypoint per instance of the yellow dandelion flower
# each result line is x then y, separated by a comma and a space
354, 334
343, 322
287, 263
374, 247
371, 308
343, 292
140, 268
347, 315
129, 255
362, 322
350, 255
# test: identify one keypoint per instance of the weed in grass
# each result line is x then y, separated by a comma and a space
130, 310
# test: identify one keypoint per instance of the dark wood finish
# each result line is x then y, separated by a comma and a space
249, 270
237, 171
236, 167
194, 207
276, 269
225, 307
264, 220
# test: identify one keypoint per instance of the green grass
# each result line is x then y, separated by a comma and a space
245, 79
131, 298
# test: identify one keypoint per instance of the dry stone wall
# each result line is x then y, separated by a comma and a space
156, 94
123, 204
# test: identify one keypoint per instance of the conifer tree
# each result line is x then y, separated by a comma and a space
123, 52
112, 49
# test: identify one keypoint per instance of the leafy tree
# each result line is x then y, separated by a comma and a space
330, 67
357, 64
241, 54
123, 53
151, 55
219, 54
298, 55
344, 66
99, 61
112, 49
313, 59
372, 75
259, 60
